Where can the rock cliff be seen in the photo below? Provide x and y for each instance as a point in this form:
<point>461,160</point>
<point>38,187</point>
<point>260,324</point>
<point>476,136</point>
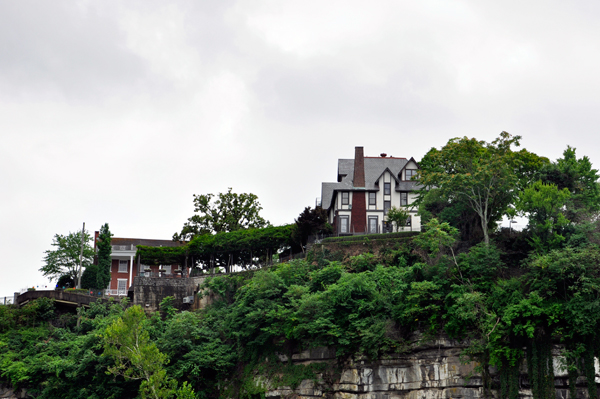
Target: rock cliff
<point>428,371</point>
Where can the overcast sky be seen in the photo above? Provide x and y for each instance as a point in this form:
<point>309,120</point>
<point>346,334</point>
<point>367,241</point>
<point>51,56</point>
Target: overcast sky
<point>119,112</point>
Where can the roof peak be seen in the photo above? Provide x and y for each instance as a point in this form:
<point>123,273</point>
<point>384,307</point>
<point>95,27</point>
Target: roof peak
<point>390,157</point>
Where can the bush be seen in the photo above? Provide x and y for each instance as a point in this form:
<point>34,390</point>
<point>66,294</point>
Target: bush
<point>387,236</point>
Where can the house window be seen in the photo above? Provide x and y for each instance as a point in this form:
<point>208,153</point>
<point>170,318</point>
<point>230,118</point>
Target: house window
<point>344,224</point>
<point>373,224</point>
<point>410,173</point>
<point>122,286</point>
<point>386,206</point>
<point>122,266</point>
<point>403,199</point>
<point>387,188</point>
<point>407,221</point>
<point>372,198</point>
<point>166,268</point>
<point>345,198</point>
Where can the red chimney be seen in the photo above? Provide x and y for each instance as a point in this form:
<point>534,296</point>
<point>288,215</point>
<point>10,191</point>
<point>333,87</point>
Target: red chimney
<point>359,167</point>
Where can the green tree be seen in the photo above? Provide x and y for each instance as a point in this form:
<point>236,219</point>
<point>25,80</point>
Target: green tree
<point>398,216</point>
<point>88,277</point>
<point>485,176</point>
<point>311,221</point>
<point>578,177</point>
<point>544,204</point>
<point>64,259</point>
<point>104,260</point>
<point>136,357</point>
<point>228,212</point>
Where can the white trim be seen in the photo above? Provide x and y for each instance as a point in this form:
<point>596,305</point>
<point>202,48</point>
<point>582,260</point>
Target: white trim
<point>130,282</point>
<point>121,291</point>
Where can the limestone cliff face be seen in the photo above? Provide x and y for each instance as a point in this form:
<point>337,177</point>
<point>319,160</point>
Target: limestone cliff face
<point>429,371</point>
<point>10,393</point>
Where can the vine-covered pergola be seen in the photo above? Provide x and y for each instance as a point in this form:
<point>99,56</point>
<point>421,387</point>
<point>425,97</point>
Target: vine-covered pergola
<point>243,248</point>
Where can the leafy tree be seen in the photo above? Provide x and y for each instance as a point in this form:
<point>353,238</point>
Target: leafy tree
<point>458,214</point>
<point>578,177</point>
<point>398,216</point>
<point>311,221</point>
<point>104,260</point>
<point>543,204</point>
<point>228,212</point>
<point>66,281</point>
<point>486,176</point>
<point>127,342</point>
<point>64,259</point>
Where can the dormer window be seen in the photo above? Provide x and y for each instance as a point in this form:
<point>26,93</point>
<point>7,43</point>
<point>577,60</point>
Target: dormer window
<point>410,173</point>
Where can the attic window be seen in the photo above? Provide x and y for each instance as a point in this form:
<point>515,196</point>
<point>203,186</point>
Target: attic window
<point>410,173</point>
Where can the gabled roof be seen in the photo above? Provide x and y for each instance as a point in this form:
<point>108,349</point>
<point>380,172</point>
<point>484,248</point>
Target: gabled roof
<point>374,169</point>
<point>382,173</point>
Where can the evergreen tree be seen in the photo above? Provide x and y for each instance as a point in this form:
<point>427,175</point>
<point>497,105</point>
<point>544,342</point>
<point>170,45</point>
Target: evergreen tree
<point>88,278</point>
<point>104,251</point>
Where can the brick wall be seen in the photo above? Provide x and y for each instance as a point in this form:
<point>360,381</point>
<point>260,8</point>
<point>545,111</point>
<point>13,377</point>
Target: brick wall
<point>358,222</point>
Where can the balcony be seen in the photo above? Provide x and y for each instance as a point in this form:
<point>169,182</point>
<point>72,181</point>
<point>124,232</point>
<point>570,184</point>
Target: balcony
<point>121,292</point>
<point>122,248</point>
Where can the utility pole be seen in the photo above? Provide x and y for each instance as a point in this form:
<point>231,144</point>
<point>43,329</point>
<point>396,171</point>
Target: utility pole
<point>81,257</point>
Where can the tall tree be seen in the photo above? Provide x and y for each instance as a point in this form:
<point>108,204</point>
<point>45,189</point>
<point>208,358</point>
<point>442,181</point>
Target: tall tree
<point>486,176</point>
<point>104,260</point>
<point>577,176</point>
<point>135,356</point>
<point>311,221</point>
<point>64,259</point>
<point>227,212</point>
<point>544,204</point>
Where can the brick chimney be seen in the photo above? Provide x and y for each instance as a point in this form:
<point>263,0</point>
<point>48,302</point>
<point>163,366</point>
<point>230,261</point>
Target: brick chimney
<point>359,167</point>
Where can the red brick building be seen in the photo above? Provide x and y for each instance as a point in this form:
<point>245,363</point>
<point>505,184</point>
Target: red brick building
<point>124,265</point>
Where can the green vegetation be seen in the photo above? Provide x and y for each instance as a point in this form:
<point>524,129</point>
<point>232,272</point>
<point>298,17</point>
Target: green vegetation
<point>511,296</point>
<point>473,176</point>
<point>240,247</point>
<point>104,251</point>
<point>397,216</point>
<point>64,259</point>
<point>311,222</point>
<point>229,212</point>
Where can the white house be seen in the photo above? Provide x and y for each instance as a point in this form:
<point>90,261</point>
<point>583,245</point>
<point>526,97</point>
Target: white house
<point>366,188</point>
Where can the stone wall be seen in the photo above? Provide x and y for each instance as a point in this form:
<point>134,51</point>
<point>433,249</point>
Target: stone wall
<point>148,292</point>
<point>428,371</point>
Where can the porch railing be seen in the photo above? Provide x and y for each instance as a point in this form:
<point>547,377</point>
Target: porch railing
<point>122,292</point>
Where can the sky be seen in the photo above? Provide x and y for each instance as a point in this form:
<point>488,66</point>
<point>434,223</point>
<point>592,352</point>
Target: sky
<point>118,112</point>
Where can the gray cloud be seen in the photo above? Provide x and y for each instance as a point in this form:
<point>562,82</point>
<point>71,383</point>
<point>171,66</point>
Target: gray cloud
<point>119,111</point>
<point>58,47</point>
